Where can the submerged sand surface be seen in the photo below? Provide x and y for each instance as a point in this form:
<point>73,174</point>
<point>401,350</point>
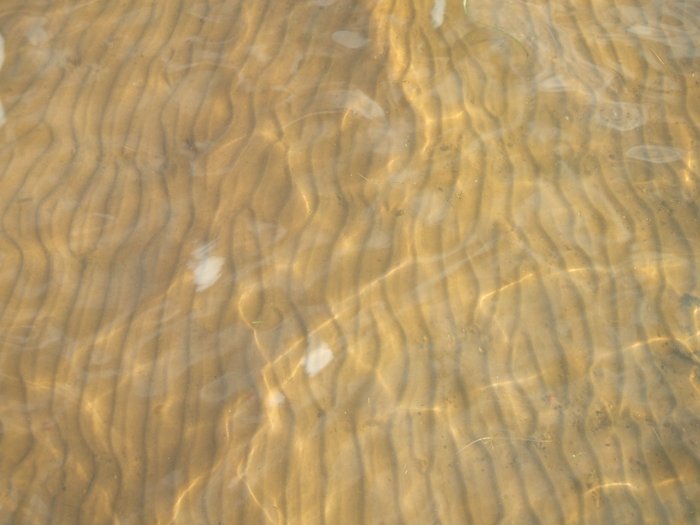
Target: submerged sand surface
<point>349,262</point>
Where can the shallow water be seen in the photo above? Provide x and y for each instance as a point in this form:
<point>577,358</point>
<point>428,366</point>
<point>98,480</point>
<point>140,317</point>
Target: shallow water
<point>350,262</point>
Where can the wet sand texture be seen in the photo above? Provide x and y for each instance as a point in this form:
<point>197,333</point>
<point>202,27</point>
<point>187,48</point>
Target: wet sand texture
<point>349,262</point>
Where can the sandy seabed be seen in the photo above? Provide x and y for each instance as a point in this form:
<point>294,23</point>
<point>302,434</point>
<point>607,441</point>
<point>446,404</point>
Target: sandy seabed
<point>349,262</point>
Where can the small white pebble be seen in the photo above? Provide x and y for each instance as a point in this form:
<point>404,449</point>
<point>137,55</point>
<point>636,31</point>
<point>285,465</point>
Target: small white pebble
<point>438,13</point>
<point>317,359</point>
<point>206,269</point>
<point>207,272</point>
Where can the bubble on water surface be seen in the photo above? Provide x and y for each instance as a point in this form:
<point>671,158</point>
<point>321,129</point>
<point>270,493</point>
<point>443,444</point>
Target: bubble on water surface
<point>621,116</point>
<point>654,154</point>
<point>349,39</point>
<point>275,398</point>
<point>363,105</point>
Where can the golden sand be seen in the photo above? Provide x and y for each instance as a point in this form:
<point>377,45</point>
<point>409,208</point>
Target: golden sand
<point>349,262</point>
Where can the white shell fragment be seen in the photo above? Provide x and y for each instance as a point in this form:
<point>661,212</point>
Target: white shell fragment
<point>317,358</point>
